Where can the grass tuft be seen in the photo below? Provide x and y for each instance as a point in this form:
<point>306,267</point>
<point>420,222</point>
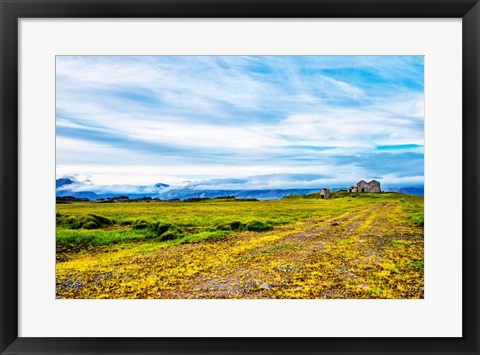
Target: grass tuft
<point>257,226</point>
<point>140,224</point>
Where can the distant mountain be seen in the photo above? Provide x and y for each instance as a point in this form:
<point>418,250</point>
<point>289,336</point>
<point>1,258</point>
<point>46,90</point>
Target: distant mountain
<point>68,187</point>
<point>79,189</point>
<point>79,194</point>
<point>274,194</point>
<point>63,182</point>
<point>413,190</point>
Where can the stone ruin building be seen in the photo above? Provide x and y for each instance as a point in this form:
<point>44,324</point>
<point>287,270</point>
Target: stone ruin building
<point>363,186</point>
<point>324,193</point>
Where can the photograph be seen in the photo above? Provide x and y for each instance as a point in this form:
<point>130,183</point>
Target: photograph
<point>239,177</point>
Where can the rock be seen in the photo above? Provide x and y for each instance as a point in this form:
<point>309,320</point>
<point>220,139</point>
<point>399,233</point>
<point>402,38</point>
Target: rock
<point>265,287</point>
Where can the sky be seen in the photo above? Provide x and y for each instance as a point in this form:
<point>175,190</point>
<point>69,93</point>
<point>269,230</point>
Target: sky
<point>236,122</point>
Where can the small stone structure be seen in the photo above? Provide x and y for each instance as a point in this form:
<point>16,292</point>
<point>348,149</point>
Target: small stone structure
<point>363,186</point>
<point>324,193</point>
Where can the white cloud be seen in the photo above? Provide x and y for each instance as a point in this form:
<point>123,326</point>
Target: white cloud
<point>141,120</point>
<point>341,87</point>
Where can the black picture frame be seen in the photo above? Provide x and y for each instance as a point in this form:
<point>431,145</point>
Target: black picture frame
<point>12,10</point>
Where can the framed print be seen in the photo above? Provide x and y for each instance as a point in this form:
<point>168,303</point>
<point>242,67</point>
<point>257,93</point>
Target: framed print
<point>253,177</point>
<point>254,214</point>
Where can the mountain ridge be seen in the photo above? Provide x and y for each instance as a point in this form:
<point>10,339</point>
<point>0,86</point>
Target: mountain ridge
<point>68,187</point>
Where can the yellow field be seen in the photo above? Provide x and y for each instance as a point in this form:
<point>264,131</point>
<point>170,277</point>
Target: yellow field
<point>353,246</point>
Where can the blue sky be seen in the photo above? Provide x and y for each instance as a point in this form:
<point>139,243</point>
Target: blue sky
<point>240,122</point>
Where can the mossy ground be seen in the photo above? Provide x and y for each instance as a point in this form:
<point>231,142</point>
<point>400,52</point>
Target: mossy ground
<point>346,247</point>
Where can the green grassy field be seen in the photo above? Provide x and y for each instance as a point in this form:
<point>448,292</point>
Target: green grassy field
<point>350,246</point>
